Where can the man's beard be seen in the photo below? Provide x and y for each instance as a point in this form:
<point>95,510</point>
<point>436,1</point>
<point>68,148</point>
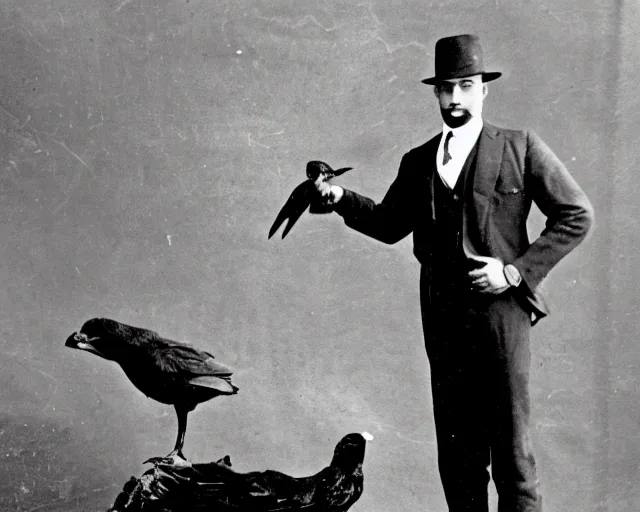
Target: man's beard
<point>455,121</point>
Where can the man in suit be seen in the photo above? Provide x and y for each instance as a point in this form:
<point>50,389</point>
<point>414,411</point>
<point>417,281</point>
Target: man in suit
<point>466,195</point>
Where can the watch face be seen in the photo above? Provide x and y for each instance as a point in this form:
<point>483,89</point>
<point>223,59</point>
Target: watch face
<point>512,275</point>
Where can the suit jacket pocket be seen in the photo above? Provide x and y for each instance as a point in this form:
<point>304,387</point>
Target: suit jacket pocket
<point>509,199</point>
<point>513,190</point>
<point>509,210</point>
<point>510,181</point>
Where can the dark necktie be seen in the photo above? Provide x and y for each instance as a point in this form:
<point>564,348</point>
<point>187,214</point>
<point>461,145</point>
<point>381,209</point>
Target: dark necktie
<point>447,156</point>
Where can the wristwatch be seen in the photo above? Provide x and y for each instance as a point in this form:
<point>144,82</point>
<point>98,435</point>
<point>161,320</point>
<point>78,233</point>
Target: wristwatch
<point>512,275</point>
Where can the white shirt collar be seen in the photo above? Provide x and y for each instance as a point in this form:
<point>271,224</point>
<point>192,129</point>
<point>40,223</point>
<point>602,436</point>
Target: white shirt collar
<point>461,144</point>
<point>469,131</point>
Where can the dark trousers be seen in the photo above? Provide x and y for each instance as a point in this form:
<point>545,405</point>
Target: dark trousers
<point>479,354</point>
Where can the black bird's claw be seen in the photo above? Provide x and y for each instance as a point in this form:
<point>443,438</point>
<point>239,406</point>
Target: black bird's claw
<point>168,460</point>
<point>155,461</point>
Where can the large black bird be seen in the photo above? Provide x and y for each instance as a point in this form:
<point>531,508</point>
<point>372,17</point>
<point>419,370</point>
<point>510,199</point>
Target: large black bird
<point>215,486</point>
<point>303,195</point>
<point>165,370</point>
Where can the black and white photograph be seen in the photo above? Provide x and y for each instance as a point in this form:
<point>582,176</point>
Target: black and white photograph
<point>319,256</point>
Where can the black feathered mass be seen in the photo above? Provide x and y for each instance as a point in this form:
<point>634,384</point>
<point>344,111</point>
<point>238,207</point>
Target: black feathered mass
<point>216,486</point>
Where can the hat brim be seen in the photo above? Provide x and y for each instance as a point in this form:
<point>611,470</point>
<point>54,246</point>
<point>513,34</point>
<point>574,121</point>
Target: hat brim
<point>486,77</point>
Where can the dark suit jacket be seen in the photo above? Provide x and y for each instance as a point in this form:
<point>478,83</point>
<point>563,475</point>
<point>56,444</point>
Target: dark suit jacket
<point>513,168</point>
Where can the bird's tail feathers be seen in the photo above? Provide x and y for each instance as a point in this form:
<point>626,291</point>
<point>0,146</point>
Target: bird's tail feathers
<point>219,383</point>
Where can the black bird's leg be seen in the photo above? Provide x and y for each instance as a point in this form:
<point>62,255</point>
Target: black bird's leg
<point>176,456</point>
<point>182,413</point>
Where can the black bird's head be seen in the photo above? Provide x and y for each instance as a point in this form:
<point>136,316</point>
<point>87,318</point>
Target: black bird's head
<point>349,452</point>
<point>317,169</point>
<point>100,336</point>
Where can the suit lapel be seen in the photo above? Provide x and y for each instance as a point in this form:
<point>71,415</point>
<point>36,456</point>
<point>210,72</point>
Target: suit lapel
<point>489,160</point>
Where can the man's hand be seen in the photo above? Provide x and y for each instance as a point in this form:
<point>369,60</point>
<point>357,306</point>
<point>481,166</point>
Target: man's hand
<point>490,278</point>
<point>329,194</point>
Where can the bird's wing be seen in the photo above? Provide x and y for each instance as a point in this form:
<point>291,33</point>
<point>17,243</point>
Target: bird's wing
<point>295,206</point>
<point>189,362</point>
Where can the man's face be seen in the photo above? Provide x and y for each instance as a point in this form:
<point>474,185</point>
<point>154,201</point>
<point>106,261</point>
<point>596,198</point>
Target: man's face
<point>460,99</point>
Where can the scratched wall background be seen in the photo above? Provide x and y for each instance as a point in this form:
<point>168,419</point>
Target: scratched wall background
<point>146,147</point>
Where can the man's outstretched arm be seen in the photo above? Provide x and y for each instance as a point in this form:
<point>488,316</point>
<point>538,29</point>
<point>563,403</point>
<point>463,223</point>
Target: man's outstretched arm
<point>388,221</point>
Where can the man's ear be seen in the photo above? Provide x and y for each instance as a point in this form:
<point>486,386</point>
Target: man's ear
<point>436,91</point>
<point>485,90</point>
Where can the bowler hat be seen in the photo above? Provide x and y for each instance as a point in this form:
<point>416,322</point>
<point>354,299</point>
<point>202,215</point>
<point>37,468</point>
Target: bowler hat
<point>457,57</point>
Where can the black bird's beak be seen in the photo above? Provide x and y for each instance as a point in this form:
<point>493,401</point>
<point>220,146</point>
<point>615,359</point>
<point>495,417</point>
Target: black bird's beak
<point>81,341</point>
<point>72,341</point>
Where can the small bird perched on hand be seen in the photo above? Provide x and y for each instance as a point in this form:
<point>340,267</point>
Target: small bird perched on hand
<point>165,370</point>
<point>303,195</point>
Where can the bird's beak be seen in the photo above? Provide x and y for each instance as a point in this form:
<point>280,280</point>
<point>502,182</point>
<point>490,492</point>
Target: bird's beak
<point>367,436</point>
<point>72,341</point>
<point>81,341</point>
